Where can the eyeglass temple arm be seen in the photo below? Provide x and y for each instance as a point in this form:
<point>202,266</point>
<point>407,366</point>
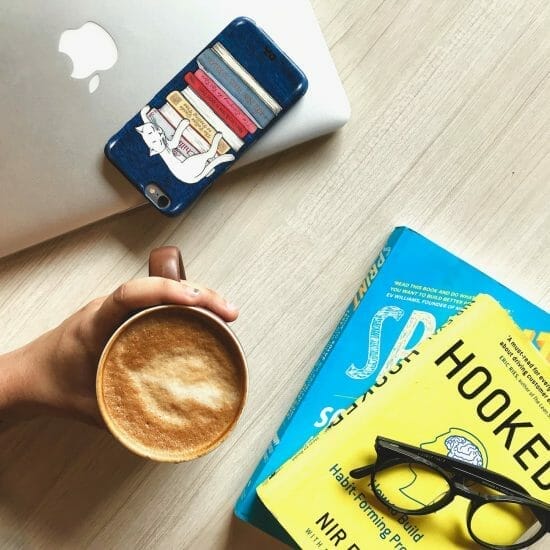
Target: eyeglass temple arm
<point>496,480</point>
<point>363,471</point>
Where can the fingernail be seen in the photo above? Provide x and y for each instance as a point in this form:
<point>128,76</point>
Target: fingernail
<point>231,306</point>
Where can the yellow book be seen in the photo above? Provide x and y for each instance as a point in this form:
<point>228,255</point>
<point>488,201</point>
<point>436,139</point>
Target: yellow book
<point>477,390</point>
<point>186,110</point>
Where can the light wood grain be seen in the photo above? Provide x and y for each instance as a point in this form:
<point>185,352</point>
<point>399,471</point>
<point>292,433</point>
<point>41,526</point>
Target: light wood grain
<point>450,134</point>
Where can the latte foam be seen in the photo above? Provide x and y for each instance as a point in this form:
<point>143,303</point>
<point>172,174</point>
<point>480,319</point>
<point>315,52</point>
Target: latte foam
<point>172,384</point>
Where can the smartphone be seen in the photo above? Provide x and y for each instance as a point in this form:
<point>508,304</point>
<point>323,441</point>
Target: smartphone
<point>207,116</point>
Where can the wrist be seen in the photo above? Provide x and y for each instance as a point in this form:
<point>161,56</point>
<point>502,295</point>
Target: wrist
<point>22,394</point>
<point>14,378</point>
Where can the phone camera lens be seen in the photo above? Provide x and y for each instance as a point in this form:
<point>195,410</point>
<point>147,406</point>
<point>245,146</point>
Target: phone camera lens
<point>157,196</point>
<point>163,201</point>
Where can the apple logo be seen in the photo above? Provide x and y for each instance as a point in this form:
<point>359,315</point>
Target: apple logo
<point>91,48</point>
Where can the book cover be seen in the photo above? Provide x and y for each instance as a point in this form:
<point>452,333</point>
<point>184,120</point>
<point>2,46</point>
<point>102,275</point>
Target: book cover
<point>478,391</point>
<point>412,287</point>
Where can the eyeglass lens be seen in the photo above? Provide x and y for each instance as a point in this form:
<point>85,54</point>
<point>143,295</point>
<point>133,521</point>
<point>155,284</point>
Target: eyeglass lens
<point>410,486</point>
<point>488,520</point>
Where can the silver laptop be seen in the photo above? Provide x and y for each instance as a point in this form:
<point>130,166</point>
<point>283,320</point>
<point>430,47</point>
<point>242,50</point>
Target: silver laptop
<point>63,94</point>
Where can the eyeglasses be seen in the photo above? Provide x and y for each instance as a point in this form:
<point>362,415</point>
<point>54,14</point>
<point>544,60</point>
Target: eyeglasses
<point>416,481</point>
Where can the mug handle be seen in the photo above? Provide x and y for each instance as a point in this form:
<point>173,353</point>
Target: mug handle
<point>166,261</point>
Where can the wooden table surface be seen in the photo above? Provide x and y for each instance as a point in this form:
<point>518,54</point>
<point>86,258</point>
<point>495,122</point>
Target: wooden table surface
<point>450,134</point>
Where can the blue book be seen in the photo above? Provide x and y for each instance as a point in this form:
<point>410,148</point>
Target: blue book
<point>411,289</point>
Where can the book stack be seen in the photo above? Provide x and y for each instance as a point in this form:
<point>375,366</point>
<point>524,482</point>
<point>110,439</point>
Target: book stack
<point>411,290</point>
<point>223,102</point>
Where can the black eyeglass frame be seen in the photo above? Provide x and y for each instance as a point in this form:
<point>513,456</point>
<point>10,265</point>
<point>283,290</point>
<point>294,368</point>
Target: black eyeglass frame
<point>456,473</point>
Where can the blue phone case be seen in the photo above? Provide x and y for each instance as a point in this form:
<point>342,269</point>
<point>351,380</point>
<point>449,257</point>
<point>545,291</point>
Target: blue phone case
<point>207,116</point>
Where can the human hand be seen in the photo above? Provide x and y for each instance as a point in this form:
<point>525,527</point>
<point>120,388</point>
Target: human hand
<point>55,374</point>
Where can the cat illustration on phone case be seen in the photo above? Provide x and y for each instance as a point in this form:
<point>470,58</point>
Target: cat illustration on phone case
<point>191,169</point>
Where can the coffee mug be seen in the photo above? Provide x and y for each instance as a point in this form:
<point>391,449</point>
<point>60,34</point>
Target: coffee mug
<point>172,380</point>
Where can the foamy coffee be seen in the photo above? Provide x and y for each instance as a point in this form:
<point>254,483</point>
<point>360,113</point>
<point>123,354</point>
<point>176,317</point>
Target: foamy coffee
<point>172,383</point>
